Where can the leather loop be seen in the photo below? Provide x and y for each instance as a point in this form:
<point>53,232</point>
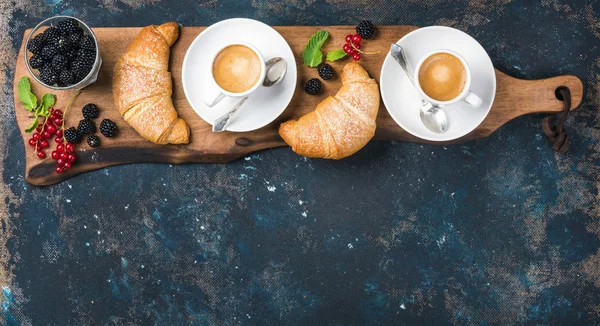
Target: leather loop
<point>556,133</point>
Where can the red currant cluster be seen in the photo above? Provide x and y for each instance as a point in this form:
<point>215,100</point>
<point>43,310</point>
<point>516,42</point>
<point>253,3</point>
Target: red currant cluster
<point>49,129</point>
<point>64,157</point>
<point>352,46</point>
<point>53,127</point>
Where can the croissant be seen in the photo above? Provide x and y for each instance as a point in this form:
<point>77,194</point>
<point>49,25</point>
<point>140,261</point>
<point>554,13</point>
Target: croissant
<point>142,86</point>
<point>342,124</point>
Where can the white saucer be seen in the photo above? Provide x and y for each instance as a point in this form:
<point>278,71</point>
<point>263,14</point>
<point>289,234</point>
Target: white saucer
<point>265,104</point>
<point>402,100</point>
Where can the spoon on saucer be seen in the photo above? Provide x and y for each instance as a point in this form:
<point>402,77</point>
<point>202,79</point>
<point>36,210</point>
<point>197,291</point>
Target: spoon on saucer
<point>276,69</point>
<point>432,116</point>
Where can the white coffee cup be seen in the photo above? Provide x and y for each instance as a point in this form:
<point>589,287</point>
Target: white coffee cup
<point>221,93</point>
<point>466,95</point>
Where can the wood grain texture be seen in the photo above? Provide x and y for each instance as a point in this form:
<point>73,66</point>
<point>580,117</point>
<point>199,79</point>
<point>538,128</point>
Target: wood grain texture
<point>514,98</point>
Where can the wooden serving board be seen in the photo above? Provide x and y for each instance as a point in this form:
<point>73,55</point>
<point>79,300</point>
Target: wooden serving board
<point>514,98</point>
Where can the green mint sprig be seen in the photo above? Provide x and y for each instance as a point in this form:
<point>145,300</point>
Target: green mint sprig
<point>336,55</point>
<point>25,95</point>
<point>312,54</point>
<point>29,101</point>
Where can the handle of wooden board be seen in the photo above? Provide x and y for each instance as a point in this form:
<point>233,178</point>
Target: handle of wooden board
<point>557,95</point>
<point>535,96</point>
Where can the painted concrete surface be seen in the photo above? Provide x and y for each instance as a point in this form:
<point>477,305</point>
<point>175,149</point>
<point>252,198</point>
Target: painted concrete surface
<point>496,231</point>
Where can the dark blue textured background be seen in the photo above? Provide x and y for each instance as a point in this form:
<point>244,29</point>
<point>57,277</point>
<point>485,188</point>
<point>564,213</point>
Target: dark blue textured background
<point>496,231</point>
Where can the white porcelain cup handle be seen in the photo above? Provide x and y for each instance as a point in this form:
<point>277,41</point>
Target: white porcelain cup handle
<point>214,99</point>
<point>473,100</point>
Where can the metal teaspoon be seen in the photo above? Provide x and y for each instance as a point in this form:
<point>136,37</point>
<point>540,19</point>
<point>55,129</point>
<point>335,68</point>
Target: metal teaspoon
<point>432,116</point>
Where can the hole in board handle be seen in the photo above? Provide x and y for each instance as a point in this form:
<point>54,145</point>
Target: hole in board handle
<point>558,93</point>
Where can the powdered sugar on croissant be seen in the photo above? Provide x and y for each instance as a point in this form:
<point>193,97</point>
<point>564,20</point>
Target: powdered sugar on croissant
<point>142,86</point>
<point>341,124</point>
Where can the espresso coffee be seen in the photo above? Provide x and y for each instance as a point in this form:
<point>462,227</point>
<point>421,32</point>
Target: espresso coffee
<point>236,68</point>
<point>442,77</point>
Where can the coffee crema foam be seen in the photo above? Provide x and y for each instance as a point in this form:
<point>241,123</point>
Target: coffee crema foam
<point>442,77</point>
<point>236,68</point>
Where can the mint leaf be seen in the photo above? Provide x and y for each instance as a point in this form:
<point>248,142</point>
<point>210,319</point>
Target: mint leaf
<point>48,101</point>
<point>25,95</point>
<point>30,102</point>
<point>312,54</point>
<point>33,124</point>
<point>336,55</point>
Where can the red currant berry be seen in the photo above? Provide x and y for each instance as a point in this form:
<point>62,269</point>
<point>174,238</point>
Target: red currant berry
<point>60,148</point>
<point>69,147</point>
<point>347,48</point>
<point>357,45</point>
<point>356,38</point>
<point>67,165</point>
<point>59,133</point>
<point>50,128</point>
<point>348,38</point>
<point>57,121</point>
<point>58,140</point>
<point>32,142</point>
<point>58,170</point>
<point>44,143</point>
<point>36,136</point>
<point>60,162</point>
<point>41,154</point>
<point>71,158</point>
<point>39,129</point>
<point>46,135</point>
<point>63,156</point>
<point>55,155</point>
<point>356,56</point>
<point>58,113</point>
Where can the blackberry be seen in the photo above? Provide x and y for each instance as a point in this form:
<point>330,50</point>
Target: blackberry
<point>90,111</point>
<point>86,126</point>
<point>61,42</point>
<point>59,62</point>
<point>48,52</point>
<point>50,34</point>
<point>70,53</point>
<point>108,128</point>
<point>45,66</point>
<point>80,68</point>
<point>72,135</point>
<point>66,78</point>
<point>87,42</point>
<point>366,29</point>
<point>78,77</point>
<point>74,38</point>
<point>67,25</point>
<point>35,45</point>
<point>36,62</point>
<point>87,56</point>
<point>313,86</point>
<point>325,71</point>
<point>93,141</point>
<point>48,76</point>
<point>40,38</point>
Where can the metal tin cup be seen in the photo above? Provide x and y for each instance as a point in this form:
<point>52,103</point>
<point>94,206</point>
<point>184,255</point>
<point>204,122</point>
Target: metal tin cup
<point>91,77</point>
